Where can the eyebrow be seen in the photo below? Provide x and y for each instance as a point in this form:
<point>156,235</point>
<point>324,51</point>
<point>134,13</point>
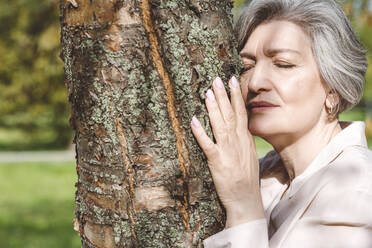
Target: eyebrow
<point>247,55</point>
<point>270,53</point>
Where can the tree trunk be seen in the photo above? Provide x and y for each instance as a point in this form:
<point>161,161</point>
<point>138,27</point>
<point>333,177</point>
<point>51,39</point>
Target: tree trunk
<point>137,72</point>
<point>364,6</point>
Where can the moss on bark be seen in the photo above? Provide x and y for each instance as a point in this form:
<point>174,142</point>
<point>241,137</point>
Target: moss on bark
<point>137,72</point>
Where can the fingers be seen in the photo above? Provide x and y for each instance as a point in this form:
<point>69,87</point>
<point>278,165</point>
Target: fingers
<point>238,104</point>
<point>215,118</point>
<point>224,116</point>
<point>224,103</point>
<point>206,144</point>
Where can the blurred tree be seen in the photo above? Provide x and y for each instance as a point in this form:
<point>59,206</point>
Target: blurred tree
<point>361,17</point>
<point>238,8</point>
<point>362,22</point>
<point>364,4</point>
<point>32,92</point>
<point>239,3</point>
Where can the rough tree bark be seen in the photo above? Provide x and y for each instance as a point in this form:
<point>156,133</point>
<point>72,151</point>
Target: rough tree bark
<point>137,72</point>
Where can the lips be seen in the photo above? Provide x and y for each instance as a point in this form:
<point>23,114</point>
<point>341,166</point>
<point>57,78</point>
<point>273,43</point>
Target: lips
<point>260,106</point>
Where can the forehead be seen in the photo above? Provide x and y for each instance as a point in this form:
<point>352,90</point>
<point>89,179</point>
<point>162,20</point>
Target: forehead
<point>278,35</point>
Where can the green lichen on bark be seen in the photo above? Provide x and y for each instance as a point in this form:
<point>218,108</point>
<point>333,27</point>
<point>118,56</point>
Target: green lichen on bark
<point>161,229</point>
<point>105,110</point>
<point>125,137</point>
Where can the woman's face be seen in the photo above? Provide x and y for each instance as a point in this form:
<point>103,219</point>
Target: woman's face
<point>280,81</point>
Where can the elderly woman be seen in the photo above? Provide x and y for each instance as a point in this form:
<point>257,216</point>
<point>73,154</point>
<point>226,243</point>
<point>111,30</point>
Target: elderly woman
<point>302,66</point>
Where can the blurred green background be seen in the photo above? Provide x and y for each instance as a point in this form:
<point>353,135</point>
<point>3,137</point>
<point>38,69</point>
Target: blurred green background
<point>33,109</point>
<point>37,199</point>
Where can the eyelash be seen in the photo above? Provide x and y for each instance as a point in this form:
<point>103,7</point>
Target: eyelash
<point>285,66</point>
<point>245,69</point>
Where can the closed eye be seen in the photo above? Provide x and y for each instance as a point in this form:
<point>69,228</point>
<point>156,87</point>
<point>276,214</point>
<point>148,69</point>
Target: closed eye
<point>285,66</point>
<point>245,69</point>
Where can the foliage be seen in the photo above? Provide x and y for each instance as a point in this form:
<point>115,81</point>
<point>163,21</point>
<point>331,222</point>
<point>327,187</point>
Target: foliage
<point>32,91</point>
<point>361,18</point>
<point>239,3</point>
<point>36,205</point>
<point>365,32</point>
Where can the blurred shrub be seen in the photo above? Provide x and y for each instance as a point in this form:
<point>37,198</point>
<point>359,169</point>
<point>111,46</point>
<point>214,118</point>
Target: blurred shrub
<point>361,17</point>
<point>32,92</point>
<point>365,32</point>
<point>33,99</point>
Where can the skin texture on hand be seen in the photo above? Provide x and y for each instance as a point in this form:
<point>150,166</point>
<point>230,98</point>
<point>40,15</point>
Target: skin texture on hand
<point>232,160</point>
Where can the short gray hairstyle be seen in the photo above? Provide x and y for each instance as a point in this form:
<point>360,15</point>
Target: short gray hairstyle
<point>340,57</point>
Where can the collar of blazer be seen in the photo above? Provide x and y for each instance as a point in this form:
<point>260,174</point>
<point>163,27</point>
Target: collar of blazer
<point>352,134</point>
<point>317,176</point>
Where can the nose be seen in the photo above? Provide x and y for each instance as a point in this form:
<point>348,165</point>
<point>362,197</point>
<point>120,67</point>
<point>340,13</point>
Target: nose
<point>259,80</point>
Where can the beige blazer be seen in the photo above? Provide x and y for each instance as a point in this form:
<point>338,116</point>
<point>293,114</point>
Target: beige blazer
<point>328,205</point>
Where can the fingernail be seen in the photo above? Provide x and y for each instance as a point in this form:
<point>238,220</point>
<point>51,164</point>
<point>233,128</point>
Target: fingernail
<point>210,96</point>
<point>219,83</point>
<point>195,122</point>
<point>234,82</point>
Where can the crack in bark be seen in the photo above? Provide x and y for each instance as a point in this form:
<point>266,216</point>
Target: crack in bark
<point>220,211</point>
<point>123,144</point>
<point>181,147</point>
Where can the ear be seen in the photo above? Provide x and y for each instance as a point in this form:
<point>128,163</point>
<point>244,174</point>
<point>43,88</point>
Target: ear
<point>332,100</point>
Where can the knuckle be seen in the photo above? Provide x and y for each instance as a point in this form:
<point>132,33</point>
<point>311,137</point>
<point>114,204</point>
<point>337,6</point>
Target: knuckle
<point>222,133</point>
<point>242,125</point>
<point>242,112</point>
<point>209,149</point>
<point>212,166</point>
<point>213,114</point>
<point>230,119</point>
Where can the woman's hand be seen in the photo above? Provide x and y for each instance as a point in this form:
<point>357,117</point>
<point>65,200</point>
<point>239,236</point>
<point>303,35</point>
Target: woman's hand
<point>232,160</point>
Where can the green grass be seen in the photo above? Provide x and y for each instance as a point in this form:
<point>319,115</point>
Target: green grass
<point>37,205</point>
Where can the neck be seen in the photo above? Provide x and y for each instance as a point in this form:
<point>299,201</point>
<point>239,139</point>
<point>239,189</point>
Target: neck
<point>297,151</point>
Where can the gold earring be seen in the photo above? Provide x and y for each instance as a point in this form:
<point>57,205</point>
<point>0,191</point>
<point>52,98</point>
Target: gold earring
<point>330,110</point>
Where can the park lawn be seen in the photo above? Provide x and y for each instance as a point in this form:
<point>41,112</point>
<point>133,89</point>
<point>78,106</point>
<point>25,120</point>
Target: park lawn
<point>37,205</point>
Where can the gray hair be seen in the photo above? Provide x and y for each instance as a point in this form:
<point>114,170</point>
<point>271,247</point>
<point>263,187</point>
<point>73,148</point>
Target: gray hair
<point>340,57</point>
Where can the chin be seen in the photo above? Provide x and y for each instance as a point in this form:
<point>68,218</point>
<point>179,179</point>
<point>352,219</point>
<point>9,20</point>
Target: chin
<point>262,128</point>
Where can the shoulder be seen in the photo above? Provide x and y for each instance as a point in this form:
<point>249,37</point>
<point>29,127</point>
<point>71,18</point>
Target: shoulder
<point>348,191</point>
<point>353,167</point>
<point>356,155</point>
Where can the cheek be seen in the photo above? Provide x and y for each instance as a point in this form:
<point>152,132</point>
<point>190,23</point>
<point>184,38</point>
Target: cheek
<point>244,88</point>
<point>291,89</point>
<point>301,90</point>
<point>303,100</point>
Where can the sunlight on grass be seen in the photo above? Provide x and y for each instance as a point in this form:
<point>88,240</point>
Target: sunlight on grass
<point>37,205</point>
